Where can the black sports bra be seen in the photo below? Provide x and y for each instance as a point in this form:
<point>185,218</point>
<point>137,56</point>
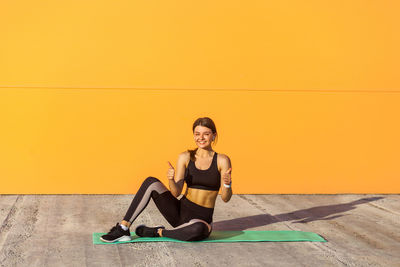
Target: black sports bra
<point>209,179</point>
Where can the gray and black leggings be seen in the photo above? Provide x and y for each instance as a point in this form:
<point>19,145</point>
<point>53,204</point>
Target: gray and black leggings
<point>191,222</point>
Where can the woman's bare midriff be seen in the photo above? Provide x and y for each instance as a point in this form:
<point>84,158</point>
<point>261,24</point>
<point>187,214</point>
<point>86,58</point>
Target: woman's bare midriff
<point>205,198</point>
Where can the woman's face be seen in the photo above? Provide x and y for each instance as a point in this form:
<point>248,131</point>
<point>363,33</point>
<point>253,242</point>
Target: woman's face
<point>203,136</point>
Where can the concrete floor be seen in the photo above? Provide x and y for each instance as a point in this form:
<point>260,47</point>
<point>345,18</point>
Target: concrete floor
<point>56,230</point>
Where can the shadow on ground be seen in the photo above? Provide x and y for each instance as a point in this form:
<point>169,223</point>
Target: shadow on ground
<point>327,212</point>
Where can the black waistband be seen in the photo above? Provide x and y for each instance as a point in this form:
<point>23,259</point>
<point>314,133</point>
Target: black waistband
<point>191,210</point>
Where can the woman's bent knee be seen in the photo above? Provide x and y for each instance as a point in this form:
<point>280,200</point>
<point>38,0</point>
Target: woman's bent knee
<point>193,232</point>
<point>199,232</point>
<point>149,180</point>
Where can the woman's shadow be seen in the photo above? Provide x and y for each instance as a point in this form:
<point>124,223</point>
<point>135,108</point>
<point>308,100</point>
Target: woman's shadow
<point>300,216</point>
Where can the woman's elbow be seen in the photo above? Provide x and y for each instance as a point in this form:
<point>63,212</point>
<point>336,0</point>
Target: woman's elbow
<point>176,193</point>
<point>225,199</point>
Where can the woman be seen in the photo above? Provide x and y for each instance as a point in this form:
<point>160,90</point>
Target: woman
<point>203,170</point>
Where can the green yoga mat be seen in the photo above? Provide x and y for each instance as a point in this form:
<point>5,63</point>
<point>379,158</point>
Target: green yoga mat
<point>230,236</point>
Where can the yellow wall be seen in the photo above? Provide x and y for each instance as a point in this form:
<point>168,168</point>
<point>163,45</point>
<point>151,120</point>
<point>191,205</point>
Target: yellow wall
<point>305,95</point>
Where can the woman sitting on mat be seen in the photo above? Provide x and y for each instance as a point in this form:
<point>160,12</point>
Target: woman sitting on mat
<point>191,216</point>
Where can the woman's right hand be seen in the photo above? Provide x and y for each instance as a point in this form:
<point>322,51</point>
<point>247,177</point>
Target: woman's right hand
<point>171,171</point>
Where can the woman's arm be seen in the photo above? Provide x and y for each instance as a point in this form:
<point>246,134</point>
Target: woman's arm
<point>176,183</point>
<point>226,169</point>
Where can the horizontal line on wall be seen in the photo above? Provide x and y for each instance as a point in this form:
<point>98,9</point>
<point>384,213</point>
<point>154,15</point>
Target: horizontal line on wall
<point>205,89</point>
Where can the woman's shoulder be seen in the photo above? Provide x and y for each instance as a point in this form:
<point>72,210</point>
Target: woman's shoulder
<point>184,157</point>
<point>184,154</point>
<point>223,162</point>
<point>223,158</point>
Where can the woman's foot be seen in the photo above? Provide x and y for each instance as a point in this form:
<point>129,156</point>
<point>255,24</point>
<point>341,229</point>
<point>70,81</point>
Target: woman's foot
<point>116,234</point>
<point>144,231</point>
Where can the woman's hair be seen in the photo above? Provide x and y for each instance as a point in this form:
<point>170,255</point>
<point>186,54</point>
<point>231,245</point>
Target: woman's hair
<point>206,122</point>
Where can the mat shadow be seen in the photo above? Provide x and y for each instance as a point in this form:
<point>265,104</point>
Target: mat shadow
<point>326,212</point>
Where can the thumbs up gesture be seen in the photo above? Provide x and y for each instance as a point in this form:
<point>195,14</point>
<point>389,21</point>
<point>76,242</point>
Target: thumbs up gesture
<point>170,172</point>
<point>226,177</point>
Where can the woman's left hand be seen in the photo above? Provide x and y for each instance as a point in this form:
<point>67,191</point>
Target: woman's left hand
<point>226,177</point>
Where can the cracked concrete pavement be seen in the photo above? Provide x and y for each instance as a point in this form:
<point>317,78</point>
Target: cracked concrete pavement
<point>56,230</point>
